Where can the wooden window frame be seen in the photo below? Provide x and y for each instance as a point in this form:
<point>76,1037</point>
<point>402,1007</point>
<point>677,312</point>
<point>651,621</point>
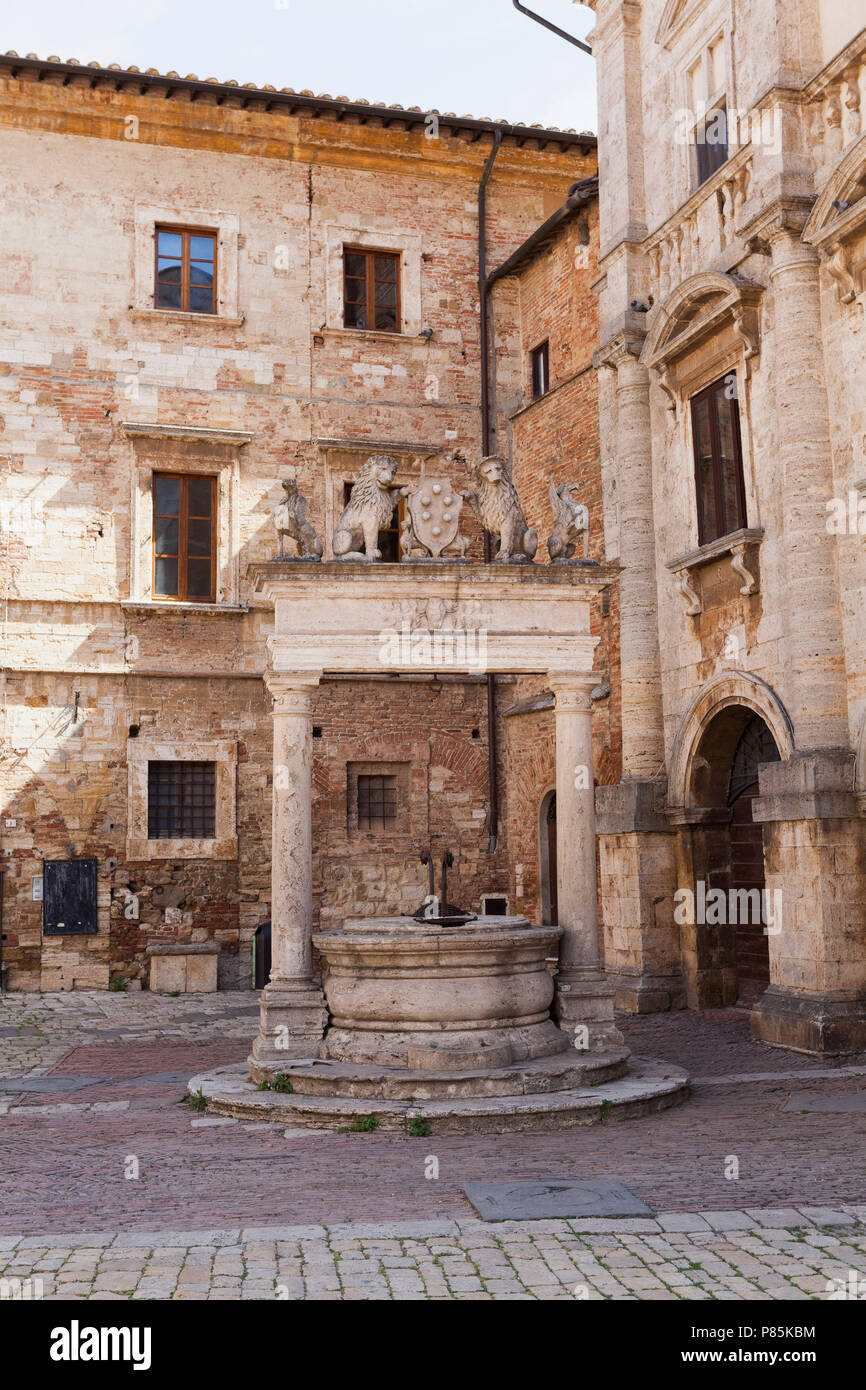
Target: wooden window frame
<point>539,355</point>
<point>183,538</point>
<point>370,254</point>
<point>185,233</point>
<point>707,162</point>
<point>711,393</point>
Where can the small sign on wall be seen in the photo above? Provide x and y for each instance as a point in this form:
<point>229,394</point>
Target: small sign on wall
<point>36,888</point>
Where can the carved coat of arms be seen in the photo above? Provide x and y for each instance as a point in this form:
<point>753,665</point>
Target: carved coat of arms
<point>434,506</point>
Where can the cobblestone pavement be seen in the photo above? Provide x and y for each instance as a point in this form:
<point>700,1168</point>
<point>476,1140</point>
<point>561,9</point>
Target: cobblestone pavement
<point>96,1135</point>
<point>731,1255</point>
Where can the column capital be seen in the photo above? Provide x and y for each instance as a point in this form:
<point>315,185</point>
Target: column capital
<point>573,692</point>
<point>291,693</point>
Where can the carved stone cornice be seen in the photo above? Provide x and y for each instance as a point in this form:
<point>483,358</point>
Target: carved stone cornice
<point>837,224</point>
<point>618,350</point>
<point>785,216</point>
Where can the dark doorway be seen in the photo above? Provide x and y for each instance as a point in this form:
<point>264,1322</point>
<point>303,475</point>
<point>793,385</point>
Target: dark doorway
<point>547,855</point>
<point>755,746</point>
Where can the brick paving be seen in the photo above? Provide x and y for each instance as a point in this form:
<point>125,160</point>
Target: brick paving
<point>105,1142</point>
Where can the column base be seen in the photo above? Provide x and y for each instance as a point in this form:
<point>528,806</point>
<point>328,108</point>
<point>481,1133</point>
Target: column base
<point>584,999</point>
<point>643,992</point>
<point>820,1024</point>
<point>291,1024</point>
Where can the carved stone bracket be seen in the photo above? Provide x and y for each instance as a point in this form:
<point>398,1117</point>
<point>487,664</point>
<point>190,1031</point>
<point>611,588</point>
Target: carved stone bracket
<point>692,598</point>
<point>735,546</point>
<point>739,567</point>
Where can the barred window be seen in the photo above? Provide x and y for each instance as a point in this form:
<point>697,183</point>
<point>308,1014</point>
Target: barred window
<point>181,801</point>
<point>377,802</point>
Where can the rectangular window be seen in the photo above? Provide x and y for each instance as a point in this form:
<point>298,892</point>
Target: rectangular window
<point>540,360</point>
<point>181,801</point>
<point>371,290</point>
<point>711,143</point>
<point>719,482</point>
<point>377,802</point>
<point>184,512</point>
<point>185,270</point>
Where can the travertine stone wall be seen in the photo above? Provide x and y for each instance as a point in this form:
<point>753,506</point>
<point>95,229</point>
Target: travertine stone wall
<point>755,275</point>
<point>90,377</point>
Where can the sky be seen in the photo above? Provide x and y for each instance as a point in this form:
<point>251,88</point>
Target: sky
<point>475,57</point>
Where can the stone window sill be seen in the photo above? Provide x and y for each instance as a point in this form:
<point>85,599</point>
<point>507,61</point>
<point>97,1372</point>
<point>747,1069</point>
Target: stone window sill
<point>142,849</point>
<point>148,605</point>
<point>181,316</point>
<point>734,545</point>
<point>373,335</point>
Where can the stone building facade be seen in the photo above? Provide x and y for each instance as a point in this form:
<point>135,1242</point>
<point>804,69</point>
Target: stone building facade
<point>732,390</point>
<point>180,329</point>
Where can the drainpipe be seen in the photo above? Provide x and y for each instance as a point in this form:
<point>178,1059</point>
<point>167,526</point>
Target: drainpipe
<point>483,293</point>
<point>554,28</point>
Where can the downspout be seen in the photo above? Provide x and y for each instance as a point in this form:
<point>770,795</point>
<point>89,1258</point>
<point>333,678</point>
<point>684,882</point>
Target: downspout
<point>554,28</point>
<point>483,293</point>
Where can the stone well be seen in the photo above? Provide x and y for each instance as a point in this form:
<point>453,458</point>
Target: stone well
<point>489,1026</point>
<point>410,994</point>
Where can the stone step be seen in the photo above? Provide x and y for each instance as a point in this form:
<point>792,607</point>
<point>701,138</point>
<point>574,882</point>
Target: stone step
<point>649,1086</point>
<point>542,1074</point>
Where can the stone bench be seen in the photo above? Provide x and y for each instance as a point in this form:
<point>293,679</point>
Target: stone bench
<point>188,967</point>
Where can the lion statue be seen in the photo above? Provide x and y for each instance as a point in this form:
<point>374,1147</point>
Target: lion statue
<point>290,519</point>
<point>498,509</point>
<point>369,509</point>
<point>570,523</point>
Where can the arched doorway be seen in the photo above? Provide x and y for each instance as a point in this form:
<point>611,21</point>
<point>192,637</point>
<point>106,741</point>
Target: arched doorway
<point>547,858</point>
<point>729,942</point>
<point>755,746</point>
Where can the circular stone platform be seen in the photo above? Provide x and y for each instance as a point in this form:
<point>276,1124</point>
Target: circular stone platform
<point>547,1094</point>
<point>443,1030</point>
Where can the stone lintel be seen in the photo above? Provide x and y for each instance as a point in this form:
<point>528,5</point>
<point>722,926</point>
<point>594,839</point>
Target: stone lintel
<point>182,948</point>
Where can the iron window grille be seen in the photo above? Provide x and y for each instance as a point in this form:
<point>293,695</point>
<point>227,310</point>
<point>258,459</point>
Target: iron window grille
<point>377,802</point>
<point>181,801</point>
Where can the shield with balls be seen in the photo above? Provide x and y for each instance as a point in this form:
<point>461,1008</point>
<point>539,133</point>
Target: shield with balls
<point>435,510</point>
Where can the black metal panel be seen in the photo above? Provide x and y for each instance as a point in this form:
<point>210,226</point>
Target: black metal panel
<point>69,897</point>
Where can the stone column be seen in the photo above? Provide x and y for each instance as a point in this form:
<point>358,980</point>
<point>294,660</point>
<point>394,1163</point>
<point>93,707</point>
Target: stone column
<point>814,840</point>
<point>637,848</point>
<point>293,1014</point>
<point>812,650</point>
<point>583,996</point>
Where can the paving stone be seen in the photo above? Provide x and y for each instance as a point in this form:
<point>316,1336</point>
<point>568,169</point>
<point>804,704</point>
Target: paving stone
<point>681,1221</point>
<point>602,1197</point>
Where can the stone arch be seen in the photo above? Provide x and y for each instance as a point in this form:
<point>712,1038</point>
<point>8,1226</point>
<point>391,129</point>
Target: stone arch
<point>700,302</point>
<point>726,689</point>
